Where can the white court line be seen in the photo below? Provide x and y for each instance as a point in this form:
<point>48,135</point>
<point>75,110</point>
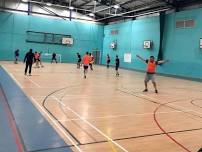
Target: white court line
<point>92,126</point>
<point>113,116</point>
<point>36,84</point>
<point>56,124</point>
<point>185,108</point>
<point>119,116</point>
<point>175,106</point>
<point>45,112</point>
<point>11,75</point>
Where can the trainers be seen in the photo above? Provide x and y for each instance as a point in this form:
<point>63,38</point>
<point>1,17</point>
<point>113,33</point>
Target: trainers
<point>156,91</point>
<point>145,90</point>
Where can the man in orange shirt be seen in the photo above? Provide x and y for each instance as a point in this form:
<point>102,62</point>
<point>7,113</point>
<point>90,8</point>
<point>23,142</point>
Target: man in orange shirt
<point>151,70</point>
<point>86,62</point>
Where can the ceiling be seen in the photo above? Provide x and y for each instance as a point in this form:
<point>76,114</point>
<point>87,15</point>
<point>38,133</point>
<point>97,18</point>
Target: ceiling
<point>113,10</point>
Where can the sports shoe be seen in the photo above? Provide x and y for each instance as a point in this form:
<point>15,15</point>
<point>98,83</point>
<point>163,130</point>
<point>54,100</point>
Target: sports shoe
<point>145,90</point>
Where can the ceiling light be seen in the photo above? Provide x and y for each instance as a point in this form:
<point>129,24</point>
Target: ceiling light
<point>71,8</point>
<point>25,0</point>
<point>49,4</point>
<point>116,6</point>
<point>91,14</point>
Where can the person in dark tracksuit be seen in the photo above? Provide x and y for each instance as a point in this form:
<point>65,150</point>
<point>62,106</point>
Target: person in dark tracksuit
<point>29,58</point>
<point>117,61</point>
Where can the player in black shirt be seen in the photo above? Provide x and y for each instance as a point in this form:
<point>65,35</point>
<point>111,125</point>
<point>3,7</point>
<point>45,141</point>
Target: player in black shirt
<point>29,59</point>
<point>117,61</point>
<point>54,57</point>
<point>108,60</point>
<point>17,54</point>
<point>79,61</point>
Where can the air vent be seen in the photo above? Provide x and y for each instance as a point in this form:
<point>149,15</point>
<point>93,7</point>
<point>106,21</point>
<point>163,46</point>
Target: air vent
<point>114,32</point>
<point>184,23</point>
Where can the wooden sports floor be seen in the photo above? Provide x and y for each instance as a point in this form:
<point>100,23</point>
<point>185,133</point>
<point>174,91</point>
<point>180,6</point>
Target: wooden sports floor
<point>104,113</point>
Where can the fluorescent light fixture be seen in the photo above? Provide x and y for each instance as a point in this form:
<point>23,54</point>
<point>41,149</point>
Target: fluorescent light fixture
<point>91,14</point>
<point>25,0</point>
<point>116,6</point>
<point>49,4</point>
<point>71,8</point>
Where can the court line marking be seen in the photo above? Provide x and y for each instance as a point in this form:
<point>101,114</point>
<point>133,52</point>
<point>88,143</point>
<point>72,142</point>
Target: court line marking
<point>45,112</point>
<point>113,116</point>
<point>163,130</point>
<point>91,125</point>
<point>56,124</point>
<point>12,76</point>
<point>119,116</point>
<point>174,105</point>
<point>32,81</point>
<point>12,124</point>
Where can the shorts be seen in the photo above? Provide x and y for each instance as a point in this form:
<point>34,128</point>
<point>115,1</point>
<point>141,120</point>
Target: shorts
<point>116,68</point>
<point>149,77</point>
<point>79,60</point>
<point>85,67</point>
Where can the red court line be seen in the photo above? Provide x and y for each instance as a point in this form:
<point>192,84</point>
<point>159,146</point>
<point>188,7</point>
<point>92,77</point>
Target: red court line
<point>13,126</point>
<point>164,131</point>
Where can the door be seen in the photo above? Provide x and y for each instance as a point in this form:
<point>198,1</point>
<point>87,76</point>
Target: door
<point>96,55</point>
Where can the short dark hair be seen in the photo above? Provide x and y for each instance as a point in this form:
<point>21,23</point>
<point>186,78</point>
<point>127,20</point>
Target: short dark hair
<point>87,53</point>
<point>152,57</point>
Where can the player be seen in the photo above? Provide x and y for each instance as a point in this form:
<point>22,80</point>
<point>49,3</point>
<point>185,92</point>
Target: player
<point>29,58</point>
<point>200,150</point>
<point>151,70</point>
<point>117,61</point>
<point>92,59</point>
<point>40,62</point>
<point>86,62</point>
<point>17,54</point>
<point>108,60</point>
<point>36,59</point>
<point>54,57</point>
<point>79,61</point>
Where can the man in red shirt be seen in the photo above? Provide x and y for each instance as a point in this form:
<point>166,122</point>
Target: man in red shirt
<point>86,62</point>
<point>151,70</point>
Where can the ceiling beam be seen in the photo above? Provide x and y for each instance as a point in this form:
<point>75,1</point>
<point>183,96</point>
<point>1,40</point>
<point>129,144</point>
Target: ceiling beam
<point>85,3</point>
<point>136,9</point>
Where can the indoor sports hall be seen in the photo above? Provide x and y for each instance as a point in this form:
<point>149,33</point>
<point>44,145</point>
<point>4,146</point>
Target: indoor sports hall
<point>100,76</point>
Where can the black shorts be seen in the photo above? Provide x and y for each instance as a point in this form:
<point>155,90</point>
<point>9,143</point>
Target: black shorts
<point>117,67</point>
<point>85,67</point>
<point>79,60</point>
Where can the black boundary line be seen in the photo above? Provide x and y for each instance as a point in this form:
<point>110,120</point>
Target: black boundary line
<point>79,126</point>
<point>135,137</point>
<point>45,149</point>
<point>149,100</point>
<point>43,104</point>
<point>119,139</point>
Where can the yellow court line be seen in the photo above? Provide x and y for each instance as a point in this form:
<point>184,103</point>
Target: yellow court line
<point>112,146</point>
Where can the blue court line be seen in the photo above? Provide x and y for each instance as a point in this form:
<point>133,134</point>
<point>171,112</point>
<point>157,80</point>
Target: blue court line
<point>34,129</point>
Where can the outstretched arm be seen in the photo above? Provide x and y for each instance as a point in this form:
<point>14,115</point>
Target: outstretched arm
<point>141,58</point>
<point>162,61</point>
